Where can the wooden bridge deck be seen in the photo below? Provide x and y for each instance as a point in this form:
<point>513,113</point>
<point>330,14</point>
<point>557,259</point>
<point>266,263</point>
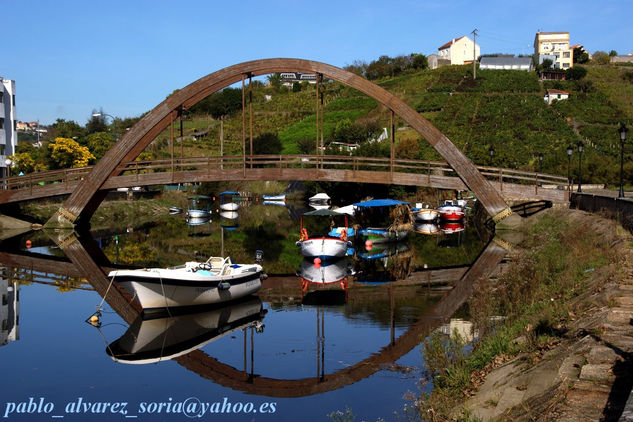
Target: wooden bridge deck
<point>512,184</point>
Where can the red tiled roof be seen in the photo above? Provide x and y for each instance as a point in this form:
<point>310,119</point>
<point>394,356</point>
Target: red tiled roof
<point>556,91</point>
<point>448,44</point>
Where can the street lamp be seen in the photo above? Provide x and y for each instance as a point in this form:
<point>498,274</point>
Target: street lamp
<point>102,114</point>
<point>570,151</point>
<point>622,131</point>
<point>491,152</point>
<point>8,163</point>
<point>580,146</point>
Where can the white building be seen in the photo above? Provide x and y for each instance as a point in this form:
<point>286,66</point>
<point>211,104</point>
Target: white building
<point>9,310</point>
<point>459,51</point>
<point>8,123</point>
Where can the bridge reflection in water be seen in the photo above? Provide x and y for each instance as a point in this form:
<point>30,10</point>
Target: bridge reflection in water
<point>87,261</point>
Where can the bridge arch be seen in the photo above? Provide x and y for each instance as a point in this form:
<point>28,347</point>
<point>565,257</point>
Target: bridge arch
<point>89,194</point>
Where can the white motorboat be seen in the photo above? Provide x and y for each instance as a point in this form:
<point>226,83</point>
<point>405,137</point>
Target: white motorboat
<point>169,336</point>
<point>424,214</point>
<point>194,283</point>
<point>226,200</point>
<point>323,247</point>
<point>198,206</point>
<point>319,198</point>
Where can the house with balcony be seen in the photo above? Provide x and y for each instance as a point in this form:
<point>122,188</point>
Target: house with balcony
<point>555,47</point>
<point>459,51</point>
<point>8,123</point>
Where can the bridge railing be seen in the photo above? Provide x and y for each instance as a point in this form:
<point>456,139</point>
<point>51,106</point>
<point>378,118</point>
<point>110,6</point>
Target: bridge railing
<point>430,169</point>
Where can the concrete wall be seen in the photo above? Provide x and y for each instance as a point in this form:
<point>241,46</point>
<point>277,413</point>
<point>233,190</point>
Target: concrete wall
<point>620,209</point>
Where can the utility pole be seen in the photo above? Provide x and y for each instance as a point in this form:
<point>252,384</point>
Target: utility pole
<point>475,53</point>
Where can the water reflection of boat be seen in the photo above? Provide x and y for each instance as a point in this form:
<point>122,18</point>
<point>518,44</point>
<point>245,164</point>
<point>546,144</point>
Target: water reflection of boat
<point>229,215</point>
<point>194,283</point>
<point>226,200</point>
<point>278,203</point>
<point>325,273</point>
<point>275,198</point>
<point>383,250</point>
<point>427,229</point>
<point>450,227</point>
<point>198,206</point>
<point>175,210</point>
<point>393,218</point>
<point>319,199</point>
<point>167,337</point>
<point>326,246</point>
<point>196,221</point>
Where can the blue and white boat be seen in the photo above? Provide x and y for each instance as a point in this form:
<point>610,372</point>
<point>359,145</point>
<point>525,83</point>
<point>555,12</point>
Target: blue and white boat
<point>396,213</point>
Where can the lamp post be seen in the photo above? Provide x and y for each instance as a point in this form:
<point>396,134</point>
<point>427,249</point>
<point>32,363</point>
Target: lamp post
<point>540,166</point>
<point>580,146</point>
<point>8,164</point>
<point>570,151</point>
<point>622,131</point>
<point>491,152</point>
<point>102,114</point>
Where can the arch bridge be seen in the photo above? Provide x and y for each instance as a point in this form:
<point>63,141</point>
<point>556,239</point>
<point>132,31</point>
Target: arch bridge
<point>90,189</point>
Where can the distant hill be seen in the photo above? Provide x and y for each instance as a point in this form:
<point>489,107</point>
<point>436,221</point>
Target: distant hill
<point>504,109</point>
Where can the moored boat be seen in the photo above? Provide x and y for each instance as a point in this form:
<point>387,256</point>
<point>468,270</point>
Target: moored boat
<point>450,210</point>
<point>323,246</point>
<point>226,200</point>
<point>194,283</point>
<point>425,213</point>
<point>383,220</point>
<point>198,206</point>
<point>281,197</point>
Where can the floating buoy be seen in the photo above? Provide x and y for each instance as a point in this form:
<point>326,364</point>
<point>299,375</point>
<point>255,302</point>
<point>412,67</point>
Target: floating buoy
<point>317,261</point>
<point>28,244</point>
<point>94,320</point>
<point>369,243</point>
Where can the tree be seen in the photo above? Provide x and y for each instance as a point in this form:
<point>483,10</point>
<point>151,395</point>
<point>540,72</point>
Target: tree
<point>274,81</point>
<point>547,64</point>
<point>307,145</point>
<point>66,153</point>
<point>97,122</point>
<point>220,104</point>
<point>419,61</point>
<point>296,87</point>
<point>613,53</point>
<point>576,73</point>
<point>65,129</point>
<point>407,148</point>
<point>99,143</point>
<point>600,57</point>
<point>267,143</point>
<point>580,56</point>
<point>22,162</point>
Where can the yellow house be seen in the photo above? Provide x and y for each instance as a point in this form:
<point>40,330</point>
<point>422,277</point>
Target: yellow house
<point>554,46</point>
<point>458,51</point>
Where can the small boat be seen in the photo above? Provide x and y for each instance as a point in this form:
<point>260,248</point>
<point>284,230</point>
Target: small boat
<point>323,247</point>
<point>395,215</point>
<point>319,198</point>
<point>216,280</point>
<point>281,197</point>
<point>198,206</point>
<point>425,213</point>
<point>226,200</point>
<point>175,210</point>
<point>450,210</point>
<point>169,336</point>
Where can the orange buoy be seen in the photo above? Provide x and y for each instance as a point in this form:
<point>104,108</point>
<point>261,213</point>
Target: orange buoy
<point>28,244</point>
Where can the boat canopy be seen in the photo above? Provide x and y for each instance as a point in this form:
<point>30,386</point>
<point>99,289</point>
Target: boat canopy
<point>379,203</point>
<point>319,197</point>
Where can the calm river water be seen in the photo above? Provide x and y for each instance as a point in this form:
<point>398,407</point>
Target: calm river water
<point>284,354</point>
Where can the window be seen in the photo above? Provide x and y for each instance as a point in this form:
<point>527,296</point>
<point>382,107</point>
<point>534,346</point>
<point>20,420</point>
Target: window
<point>565,65</point>
<point>566,55</point>
<point>13,96</point>
<point>1,95</point>
<point>15,125</point>
<point>1,123</point>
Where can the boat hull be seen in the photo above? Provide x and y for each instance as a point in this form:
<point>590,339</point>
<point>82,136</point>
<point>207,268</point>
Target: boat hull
<point>451,213</point>
<point>383,235</point>
<point>198,213</point>
<point>426,215</point>
<point>229,206</point>
<point>274,197</point>
<point>323,247</point>
<point>158,288</point>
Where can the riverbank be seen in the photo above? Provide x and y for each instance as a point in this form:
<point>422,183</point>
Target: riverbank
<point>564,348</point>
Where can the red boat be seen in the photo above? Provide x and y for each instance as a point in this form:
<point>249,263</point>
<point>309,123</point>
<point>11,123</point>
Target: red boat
<point>451,211</point>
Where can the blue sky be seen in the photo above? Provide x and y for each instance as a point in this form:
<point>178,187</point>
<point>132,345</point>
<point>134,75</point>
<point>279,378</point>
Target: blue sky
<point>69,57</point>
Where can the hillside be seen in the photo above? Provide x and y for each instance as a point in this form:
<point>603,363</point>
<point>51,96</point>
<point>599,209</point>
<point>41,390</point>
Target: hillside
<point>504,109</point>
